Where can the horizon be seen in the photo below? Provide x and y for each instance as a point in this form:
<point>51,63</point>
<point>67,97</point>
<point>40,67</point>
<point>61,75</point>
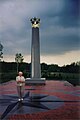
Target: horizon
<point>51,59</point>
<point>42,63</point>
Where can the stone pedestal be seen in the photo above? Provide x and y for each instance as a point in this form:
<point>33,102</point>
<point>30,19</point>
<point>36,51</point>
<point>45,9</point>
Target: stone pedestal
<point>35,81</point>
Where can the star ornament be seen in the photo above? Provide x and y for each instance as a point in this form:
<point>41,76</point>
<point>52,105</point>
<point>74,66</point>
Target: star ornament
<point>29,101</point>
<point>30,104</point>
<point>35,22</point>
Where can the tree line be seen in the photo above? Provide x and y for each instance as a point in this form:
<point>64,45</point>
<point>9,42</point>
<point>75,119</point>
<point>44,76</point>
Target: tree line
<point>26,67</point>
<point>8,71</point>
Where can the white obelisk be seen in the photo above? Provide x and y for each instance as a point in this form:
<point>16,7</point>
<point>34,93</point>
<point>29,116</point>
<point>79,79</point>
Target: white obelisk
<point>35,54</point>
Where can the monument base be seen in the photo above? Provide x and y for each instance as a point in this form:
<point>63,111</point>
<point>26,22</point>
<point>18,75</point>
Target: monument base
<point>35,81</point>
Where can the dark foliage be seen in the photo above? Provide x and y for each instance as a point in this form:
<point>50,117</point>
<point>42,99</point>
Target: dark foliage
<point>50,72</point>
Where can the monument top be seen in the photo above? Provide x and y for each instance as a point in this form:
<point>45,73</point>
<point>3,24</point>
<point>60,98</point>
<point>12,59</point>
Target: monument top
<point>35,22</point>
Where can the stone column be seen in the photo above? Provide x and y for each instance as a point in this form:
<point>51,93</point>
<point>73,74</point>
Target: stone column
<point>35,55</point>
<point>35,50</point>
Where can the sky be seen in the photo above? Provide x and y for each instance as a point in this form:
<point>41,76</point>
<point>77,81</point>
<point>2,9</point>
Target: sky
<point>59,29</point>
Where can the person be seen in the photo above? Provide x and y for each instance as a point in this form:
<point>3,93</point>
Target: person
<point>20,85</point>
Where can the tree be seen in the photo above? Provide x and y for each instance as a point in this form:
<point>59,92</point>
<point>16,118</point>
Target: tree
<point>18,59</point>
<point>1,53</point>
<point>78,63</point>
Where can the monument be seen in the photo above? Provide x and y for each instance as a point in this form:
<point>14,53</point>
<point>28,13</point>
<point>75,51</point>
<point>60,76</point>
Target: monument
<point>35,55</point>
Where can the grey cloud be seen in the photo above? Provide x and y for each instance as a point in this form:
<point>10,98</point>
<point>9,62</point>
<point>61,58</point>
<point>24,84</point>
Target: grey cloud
<point>59,45</point>
<point>58,30</point>
<point>69,14</point>
<point>14,42</point>
<point>59,40</point>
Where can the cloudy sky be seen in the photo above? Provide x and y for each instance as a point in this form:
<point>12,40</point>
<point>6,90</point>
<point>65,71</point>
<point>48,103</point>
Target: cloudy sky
<point>59,29</point>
